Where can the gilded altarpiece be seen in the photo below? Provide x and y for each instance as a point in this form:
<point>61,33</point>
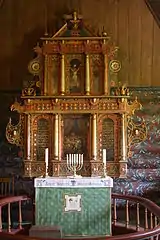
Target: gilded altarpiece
<point>68,107</point>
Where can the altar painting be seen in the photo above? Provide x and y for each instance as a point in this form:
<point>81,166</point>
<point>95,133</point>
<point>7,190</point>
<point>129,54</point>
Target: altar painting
<point>75,134</point>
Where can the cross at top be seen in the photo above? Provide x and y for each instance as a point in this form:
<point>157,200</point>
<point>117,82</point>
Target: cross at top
<point>74,19</point>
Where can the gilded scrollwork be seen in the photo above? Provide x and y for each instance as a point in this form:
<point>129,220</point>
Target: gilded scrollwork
<point>16,106</point>
<point>15,133</point>
<point>34,168</point>
<point>30,91</point>
<point>133,106</point>
<point>122,90</point>
<point>137,132</point>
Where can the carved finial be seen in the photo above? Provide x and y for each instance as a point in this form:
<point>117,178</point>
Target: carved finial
<point>122,90</point>
<point>37,49</point>
<point>75,20</point>
<point>104,33</point>
<point>75,17</point>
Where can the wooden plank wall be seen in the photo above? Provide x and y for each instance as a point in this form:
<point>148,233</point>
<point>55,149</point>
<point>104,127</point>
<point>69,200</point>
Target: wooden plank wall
<point>133,28</point>
<point>129,23</point>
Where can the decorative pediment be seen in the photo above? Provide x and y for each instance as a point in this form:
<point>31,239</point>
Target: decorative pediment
<point>74,26</point>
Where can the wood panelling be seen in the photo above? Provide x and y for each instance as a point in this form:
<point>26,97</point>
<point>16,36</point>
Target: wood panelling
<point>123,40</point>
<point>155,80</point>
<point>134,44</point>
<point>147,45</point>
<point>130,25</point>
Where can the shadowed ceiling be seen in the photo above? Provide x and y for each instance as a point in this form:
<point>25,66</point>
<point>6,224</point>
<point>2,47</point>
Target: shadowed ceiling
<point>154,7</point>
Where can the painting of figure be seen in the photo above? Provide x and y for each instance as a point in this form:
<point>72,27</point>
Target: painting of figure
<point>76,129</point>
<point>74,81</point>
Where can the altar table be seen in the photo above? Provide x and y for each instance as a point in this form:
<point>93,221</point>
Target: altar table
<point>80,206</point>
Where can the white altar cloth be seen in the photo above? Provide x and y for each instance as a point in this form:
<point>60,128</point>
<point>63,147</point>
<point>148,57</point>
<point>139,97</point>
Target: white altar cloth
<point>59,182</point>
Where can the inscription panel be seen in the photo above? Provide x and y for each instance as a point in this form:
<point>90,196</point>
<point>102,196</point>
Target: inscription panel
<point>108,138</point>
<point>42,138</point>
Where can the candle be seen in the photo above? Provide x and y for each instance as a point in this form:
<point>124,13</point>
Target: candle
<point>72,159</point>
<point>76,158</point>
<point>46,158</point>
<point>104,156</point>
<point>67,159</point>
<point>82,159</point>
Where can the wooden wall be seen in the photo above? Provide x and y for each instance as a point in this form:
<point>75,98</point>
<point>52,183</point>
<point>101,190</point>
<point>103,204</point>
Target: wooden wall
<point>129,23</point>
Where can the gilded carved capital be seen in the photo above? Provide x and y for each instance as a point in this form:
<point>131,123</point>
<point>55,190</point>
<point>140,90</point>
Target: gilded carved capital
<point>16,106</point>
<point>135,105</point>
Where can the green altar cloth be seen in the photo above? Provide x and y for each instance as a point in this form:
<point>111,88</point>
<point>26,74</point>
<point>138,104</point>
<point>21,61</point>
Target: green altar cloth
<point>81,207</point>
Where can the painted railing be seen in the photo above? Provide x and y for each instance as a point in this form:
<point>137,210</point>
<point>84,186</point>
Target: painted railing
<point>6,207</point>
<point>135,215</point>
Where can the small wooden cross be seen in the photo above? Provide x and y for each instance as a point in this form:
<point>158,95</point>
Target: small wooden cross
<point>74,19</point>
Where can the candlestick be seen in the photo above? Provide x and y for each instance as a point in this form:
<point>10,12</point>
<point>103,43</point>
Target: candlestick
<point>104,163</point>
<point>46,161</point>
<point>75,163</point>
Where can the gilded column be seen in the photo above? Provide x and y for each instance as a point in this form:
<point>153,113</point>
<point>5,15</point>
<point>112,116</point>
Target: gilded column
<point>94,137</point>
<point>29,137</point>
<point>106,84</point>
<point>87,79</point>
<point>123,161</point>
<point>62,75</point>
<point>46,73</point>
<point>60,137</point>
<point>124,137</point>
<point>56,137</point>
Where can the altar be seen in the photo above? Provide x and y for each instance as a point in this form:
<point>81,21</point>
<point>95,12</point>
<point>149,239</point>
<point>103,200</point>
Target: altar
<point>79,206</point>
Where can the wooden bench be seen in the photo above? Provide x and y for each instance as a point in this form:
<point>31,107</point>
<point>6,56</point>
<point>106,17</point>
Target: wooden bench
<point>6,186</point>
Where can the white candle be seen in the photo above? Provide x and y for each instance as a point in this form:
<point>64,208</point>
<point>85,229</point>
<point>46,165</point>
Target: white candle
<point>76,158</point>
<point>67,159</point>
<point>46,158</point>
<point>72,159</point>
<point>104,156</point>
